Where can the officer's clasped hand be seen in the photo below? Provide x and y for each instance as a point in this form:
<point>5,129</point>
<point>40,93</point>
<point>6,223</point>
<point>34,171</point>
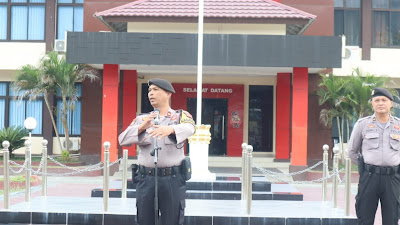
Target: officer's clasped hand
<point>161,131</point>
<point>148,122</point>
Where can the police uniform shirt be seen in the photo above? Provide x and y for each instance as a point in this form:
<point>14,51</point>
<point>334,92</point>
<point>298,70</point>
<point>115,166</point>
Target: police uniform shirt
<point>171,153</point>
<point>380,146</point>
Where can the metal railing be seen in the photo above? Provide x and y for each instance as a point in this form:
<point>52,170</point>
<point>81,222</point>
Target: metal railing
<point>247,165</point>
<point>42,169</point>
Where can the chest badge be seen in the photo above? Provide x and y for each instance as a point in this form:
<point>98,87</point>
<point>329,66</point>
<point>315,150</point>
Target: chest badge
<point>371,126</point>
<point>174,117</point>
<point>397,127</point>
<point>396,136</point>
<point>168,114</point>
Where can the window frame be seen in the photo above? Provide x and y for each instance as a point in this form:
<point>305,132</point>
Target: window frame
<point>79,99</point>
<point>8,97</point>
<point>28,3</point>
<point>389,10</point>
<point>344,9</point>
<point>73,5</point>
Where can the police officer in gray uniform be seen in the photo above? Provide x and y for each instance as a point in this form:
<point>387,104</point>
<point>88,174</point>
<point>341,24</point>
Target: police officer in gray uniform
<point>376,140</point>
<point>173,129</point>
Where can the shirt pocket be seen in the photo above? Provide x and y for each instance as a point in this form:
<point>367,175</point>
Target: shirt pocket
<point>395,142</point>
<point>371,141</point>
<point>170,140</point>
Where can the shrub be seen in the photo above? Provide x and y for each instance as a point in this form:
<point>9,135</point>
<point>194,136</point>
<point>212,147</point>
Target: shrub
<point>65,155</point>
<point>15,135</point>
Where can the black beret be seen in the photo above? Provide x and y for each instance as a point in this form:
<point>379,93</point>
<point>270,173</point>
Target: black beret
<point>164,84</point>
<point>381,92</point>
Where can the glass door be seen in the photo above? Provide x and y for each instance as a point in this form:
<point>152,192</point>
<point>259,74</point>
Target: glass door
<point>214,112</point>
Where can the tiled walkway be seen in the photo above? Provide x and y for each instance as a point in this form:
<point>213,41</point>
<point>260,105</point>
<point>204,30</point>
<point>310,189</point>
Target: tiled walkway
<point>78,188</point>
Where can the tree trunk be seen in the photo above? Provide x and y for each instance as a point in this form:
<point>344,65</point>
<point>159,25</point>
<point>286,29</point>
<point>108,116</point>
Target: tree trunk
<point>340,135</point>
<point>52,119</point>
<point>348,130</point>
<point>64,120</point>
<point>342,144</point>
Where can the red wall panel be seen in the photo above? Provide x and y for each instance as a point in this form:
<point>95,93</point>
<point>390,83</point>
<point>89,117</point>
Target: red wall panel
<point>235,103</point>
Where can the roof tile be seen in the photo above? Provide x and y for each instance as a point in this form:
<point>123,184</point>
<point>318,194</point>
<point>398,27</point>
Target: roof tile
<point>212,9</point>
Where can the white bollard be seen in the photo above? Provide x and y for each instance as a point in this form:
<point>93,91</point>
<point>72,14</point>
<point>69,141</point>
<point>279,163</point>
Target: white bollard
<point>249,178</point>
<point>28,171</point>
<point>124,172</point>
<point>44,170</point>
<point>348,185</point>
<point>335,178</point>
<point>6,158</point>
<point>325,172</point>
<point>244,172</point>
<point>106,173</point>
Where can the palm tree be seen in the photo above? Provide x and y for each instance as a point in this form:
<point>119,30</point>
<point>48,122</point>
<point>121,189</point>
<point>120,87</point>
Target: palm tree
<point>360,89</point>
<point>348,98</point>
<point>65,76</point>
<point>31,82</point>
<point>54,73</point>
<point>332,92</point>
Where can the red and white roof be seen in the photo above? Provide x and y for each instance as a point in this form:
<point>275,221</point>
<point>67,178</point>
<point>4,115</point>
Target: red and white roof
<point>212,9</point>
<point>226,11</point>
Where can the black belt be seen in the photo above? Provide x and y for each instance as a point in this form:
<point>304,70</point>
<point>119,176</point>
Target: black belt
<point>167,171</point>
<point>382,170</point>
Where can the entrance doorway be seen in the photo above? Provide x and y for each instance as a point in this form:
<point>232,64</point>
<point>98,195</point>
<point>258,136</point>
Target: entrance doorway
<point>215,113</point>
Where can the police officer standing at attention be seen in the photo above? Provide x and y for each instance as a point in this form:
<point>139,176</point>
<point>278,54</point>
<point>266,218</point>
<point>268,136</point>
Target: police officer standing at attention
<point>173,129</point>
<point>375,146</point>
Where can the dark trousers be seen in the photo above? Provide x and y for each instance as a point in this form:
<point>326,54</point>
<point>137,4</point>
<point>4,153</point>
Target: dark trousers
<point>373,188</point>
<point>171,199</point>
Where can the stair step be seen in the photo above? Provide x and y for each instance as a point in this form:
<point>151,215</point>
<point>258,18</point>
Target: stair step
<point>211,195</point>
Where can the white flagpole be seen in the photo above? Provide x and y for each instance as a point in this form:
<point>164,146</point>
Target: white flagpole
<point>200,63</point>
<point>200,141</point>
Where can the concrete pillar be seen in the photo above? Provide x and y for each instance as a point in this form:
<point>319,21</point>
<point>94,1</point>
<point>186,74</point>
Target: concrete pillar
<point>299,120</point>
<point>110,109</point>
<point>129,102</point>
<point>283,103</point>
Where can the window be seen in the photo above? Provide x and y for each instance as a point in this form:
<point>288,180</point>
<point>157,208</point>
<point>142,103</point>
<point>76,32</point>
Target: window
<point>347,20</point>
<point>22,20</point>
<point>386,23</point>
<point>14,112</point>
<point>73,117</point>
<point>70,17</point>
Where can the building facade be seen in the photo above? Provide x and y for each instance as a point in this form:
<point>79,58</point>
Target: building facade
<point>258,81</point>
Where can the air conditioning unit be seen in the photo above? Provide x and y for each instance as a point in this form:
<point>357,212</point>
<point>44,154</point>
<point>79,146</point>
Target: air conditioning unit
<point>60,45</point>
<point>352,53</point>
<point>73,144</point>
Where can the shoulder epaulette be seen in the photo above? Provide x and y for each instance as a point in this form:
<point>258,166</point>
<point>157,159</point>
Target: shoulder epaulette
<point>143,114</point>
<point>364,118</point>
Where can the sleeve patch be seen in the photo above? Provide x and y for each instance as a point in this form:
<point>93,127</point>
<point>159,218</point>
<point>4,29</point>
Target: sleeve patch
<point>186,119</point>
